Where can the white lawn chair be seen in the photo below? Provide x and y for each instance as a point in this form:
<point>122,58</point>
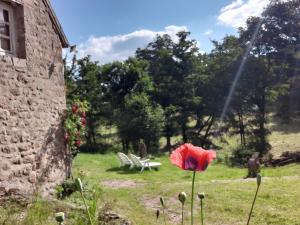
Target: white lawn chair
<point>143,163</point>
<point>125,161</point>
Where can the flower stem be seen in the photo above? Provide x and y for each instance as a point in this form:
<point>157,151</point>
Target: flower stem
<point>192,199</point>
<point>86,207</point>
<point>164,215</point>
<point>253,204</point>
<point>202,218</point>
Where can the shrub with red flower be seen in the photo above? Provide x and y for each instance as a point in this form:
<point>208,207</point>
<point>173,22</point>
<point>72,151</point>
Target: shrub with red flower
<point>75,125</point>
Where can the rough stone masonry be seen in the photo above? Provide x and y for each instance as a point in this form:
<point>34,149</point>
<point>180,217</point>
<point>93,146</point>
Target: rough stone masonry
<point>33,156</point>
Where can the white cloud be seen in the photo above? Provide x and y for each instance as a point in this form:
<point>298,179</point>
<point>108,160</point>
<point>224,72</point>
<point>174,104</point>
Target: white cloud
<point>238,11</point>
<point>111,48</point>
<point>209,32</point>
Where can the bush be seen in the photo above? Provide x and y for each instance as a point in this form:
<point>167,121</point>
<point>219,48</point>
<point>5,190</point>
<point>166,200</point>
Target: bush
<point>64,190</point>
<point>95,148</point>
<point>241,155</point>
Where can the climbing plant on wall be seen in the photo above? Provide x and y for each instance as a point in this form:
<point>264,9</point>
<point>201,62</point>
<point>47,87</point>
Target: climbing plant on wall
<point>74,125</point>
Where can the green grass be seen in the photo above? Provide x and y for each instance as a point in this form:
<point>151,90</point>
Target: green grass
<point>228,195</point>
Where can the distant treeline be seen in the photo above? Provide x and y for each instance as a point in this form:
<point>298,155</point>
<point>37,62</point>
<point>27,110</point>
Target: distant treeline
<point>168,84</point>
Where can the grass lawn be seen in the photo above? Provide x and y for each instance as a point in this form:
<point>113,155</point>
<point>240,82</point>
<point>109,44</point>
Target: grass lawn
<point>228,195</point>
<point>136,195</point>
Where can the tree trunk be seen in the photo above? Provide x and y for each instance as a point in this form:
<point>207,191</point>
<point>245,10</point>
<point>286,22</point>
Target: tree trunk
<point>208,129</point>
<point>183,132</point>
<point>168,137</point>
<point>242,128</point>
<point>204,124</point>
<point>262,134</point>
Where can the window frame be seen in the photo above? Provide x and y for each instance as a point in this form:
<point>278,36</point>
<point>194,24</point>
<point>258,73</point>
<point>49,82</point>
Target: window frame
<point>10,23</point>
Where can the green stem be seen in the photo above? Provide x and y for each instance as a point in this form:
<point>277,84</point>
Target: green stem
<point>182,209</point>
<point>253,204</point>
<point>86,207</point>
<point>192,199</point>
<point>202,218</point>
<point>164,215</point>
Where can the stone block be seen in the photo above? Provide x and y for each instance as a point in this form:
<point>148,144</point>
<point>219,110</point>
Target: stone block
<point>32,177</point>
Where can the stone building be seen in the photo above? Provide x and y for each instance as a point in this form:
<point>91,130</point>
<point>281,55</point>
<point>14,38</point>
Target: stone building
<point>33,156</point>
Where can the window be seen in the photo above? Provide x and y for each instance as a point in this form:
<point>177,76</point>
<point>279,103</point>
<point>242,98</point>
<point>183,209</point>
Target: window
<point>6,29</point>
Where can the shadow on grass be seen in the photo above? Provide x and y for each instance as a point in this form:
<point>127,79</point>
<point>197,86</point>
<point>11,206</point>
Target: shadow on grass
<point>127,170</point>
<point>123,170</point>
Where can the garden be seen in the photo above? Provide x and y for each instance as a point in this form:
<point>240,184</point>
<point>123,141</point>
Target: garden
<point>117,194</point>
<point>240,101</point>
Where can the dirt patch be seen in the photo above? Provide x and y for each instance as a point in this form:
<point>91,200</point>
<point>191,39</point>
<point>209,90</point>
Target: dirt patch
<point>116,184</point>
<point>153,204</point>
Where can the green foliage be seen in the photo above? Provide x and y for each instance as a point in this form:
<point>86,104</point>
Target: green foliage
<point>241,155</point>
<point>65,189</point>
<point>96,148</point>
<point>145,121</point>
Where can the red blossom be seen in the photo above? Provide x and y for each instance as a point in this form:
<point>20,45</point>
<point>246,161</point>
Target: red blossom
<point>74,108</point>
<point>83,121</point>
<point>190,157</point>
<point>83,114</point>
<point>77,143</point>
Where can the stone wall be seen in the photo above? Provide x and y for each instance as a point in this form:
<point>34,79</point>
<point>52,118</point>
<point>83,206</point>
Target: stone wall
<point>33,156</point>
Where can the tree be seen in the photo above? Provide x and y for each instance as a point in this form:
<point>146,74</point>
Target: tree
<point>172,65</point>
<point>278,29</point>
<point>159,55</point>
<point>140,120</point>
<point>127,87</point>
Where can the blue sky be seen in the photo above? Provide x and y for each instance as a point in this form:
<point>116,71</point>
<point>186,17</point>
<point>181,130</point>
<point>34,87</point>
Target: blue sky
<point>112,29</point>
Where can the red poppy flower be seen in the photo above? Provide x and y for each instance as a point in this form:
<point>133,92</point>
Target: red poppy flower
<point>190,157</point>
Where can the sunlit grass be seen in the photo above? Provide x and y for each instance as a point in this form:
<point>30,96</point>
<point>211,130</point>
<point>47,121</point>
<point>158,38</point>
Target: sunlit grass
<point>228,194</point>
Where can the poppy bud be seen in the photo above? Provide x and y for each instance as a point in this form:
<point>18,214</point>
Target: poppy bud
<point>201,196</point>
<point>258,179</point>
<point>83,121</point>
<point>182,197</point>
<point>74,108</point>
<point>157,214</point>
<point>78,184</point>
<point>162,202</point>
<point>60,217</point>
